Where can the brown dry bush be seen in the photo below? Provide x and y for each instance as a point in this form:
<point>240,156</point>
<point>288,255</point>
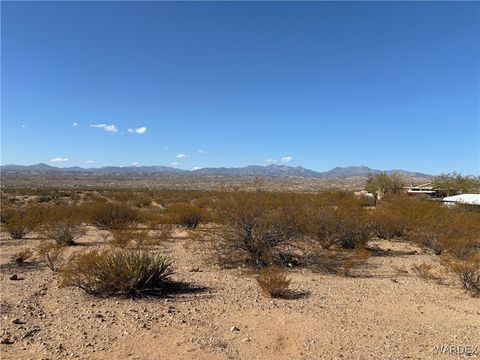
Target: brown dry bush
<point>133,273</point>
<point>51,254</point>
<point>391,217</point>
<point>358,258</point>
<point>467,271</point>
<point>188,216</point>
<point>20,222</point>
<point>110,215</point>
<point>63,224</point>
<point>273,281</point>
<point>344,224</point>
<point>123,238</point>
<point>452,230</point>
<point>21,256</point>
<point>257,229</point>
<point>425,271</point>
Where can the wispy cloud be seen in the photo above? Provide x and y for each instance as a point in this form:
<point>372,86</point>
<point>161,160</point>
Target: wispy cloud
<point>140,131</point>
<point>203,152</point>
<point>175,163</point>
<point>59,159</point>
<point>110,128</point>
<point>286,159</point>
<point>196,168</point>
<point>24,126</point>
<point>135,164</point>
<point>181,156</point>
<point>75,124</point>
<point>271,161</point>
<point>90,162</point>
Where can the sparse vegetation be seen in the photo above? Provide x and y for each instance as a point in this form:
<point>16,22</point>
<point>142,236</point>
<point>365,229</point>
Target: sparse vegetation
<point>50,253</point>
<point>20,257</point>
<point>112,215</point>
<point>467,271</point>
<point>258,229</point>
<point>133,273</point>
<point>425,271</point>
<point>274,281</point>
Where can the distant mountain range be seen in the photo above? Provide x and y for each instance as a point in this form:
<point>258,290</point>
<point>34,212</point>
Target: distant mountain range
<point>251,170</point>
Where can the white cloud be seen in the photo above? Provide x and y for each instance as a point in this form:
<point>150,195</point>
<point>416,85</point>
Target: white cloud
<point>203,152</point>
<point>135,164</point>
<point>181,156</point>
<point>287,159</point>
<point>90,162</point>
<point>140,131</point>
<point>110,128</point>
<point>75,124</point>
<point>196,168</point>
<point>271,161</point>
<point>175,163</point>
<point>24,126</point>
<point>59,159</point>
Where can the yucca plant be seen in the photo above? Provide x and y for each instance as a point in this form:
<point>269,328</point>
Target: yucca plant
<point>134,273</point>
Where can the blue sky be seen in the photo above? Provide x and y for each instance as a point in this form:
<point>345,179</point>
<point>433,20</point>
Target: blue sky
<point>384,84</point>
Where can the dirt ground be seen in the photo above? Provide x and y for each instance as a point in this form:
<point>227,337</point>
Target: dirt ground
<point>381,312</point>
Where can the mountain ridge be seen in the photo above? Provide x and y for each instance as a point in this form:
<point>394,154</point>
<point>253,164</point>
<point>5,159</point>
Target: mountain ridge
<point>272,170</point>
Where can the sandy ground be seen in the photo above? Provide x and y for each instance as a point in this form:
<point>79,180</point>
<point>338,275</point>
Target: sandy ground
<point>380,313</point>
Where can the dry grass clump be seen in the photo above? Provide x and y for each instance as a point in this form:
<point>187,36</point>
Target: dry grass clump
<point>273,281</point>
<point>133,273</point>
<point>21,256</point>
<point>51,254</point>
<point>467,271</point>
<point>425,271</point>
<point>112,215</point>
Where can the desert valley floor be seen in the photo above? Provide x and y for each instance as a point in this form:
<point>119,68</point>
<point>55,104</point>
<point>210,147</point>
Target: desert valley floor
<point>383,311</point>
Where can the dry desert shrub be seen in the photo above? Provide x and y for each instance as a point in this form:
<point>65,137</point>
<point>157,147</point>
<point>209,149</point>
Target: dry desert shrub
<point>63,224</point>
<point>133,273</point>
<point>51,254</point>
<point>188,216</point>
<point>257,229</point>
<point>467,271</point>
<point>425,271</point>
<point>20,257</point>
<point>358,258</point>
<point>273,281</point>
<point>344,224</point>
<point>112,215</point>
<point>123,238</point>
<point>20,221</point>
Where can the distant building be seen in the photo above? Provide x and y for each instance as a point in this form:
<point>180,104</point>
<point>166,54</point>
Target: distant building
<point>470,199</point>
<point>426,190</point>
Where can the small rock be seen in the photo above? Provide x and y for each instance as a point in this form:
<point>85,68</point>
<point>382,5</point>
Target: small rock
<point>15,277</point>
<point>234,328</point>
<point>18,322</point>
<point>7,340</point>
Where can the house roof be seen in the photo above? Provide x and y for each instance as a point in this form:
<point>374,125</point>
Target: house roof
<point>464,199</point>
